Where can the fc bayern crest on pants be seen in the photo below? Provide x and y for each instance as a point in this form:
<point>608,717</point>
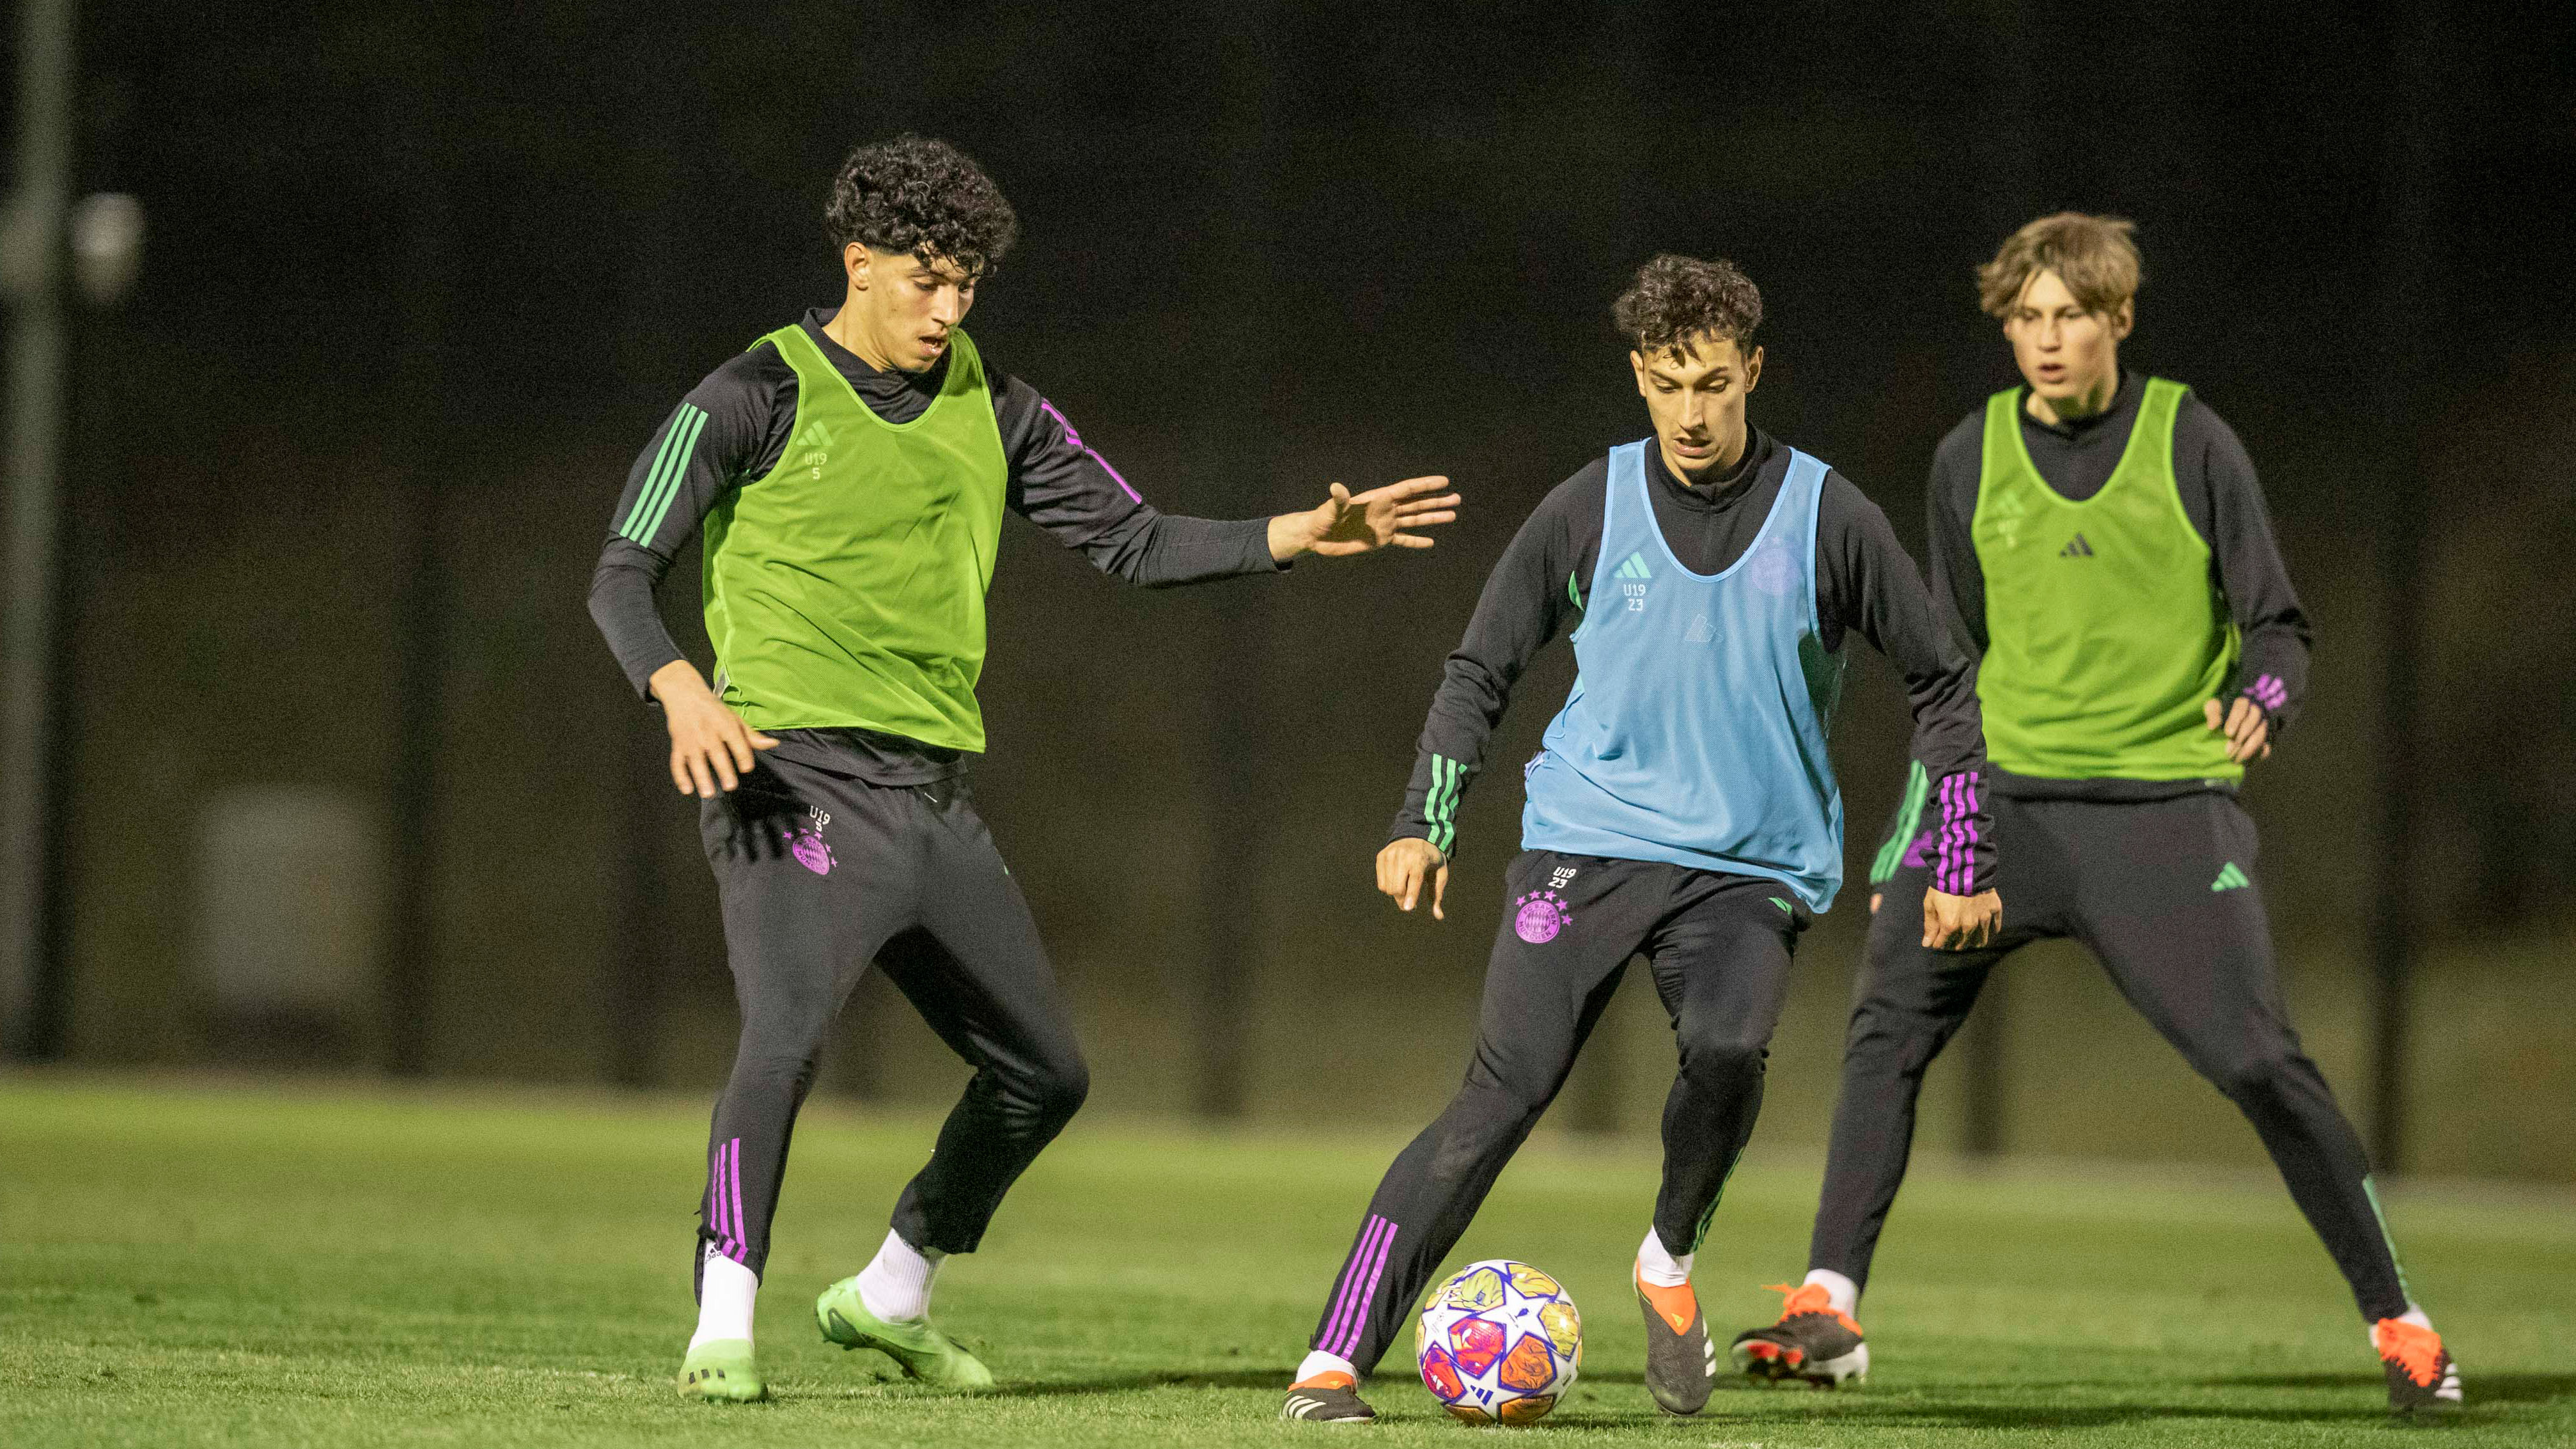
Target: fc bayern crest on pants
<point>1541,914</point>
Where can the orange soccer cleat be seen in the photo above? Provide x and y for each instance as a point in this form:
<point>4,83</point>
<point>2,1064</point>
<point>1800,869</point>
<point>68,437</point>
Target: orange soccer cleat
<point>2421,1377</point>
<point>1811,1342</point>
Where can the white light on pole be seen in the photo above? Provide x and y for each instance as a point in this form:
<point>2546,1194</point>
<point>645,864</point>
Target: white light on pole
<point>107,246</point>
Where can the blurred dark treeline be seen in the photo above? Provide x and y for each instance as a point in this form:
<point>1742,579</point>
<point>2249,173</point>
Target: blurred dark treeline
<point>421,279</point>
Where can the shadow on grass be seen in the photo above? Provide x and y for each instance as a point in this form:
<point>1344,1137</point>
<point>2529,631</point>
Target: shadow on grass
<point>2482,1388</point>
<point>1260,1378</point>
<point>1864,1409</point>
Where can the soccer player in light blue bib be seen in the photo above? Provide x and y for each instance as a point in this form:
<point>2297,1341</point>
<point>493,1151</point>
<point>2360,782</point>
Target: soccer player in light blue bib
<point>1684,808</point>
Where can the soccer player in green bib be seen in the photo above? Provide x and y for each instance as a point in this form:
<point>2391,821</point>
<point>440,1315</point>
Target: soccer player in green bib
<point>848,474</point>
<point>2099,538</point>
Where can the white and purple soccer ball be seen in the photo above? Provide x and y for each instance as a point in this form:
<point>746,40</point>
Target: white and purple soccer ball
<point>1499,1343</point>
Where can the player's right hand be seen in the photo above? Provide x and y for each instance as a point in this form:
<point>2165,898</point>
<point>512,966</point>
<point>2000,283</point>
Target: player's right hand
<point>1401,868</point>
<point>1961,923</point>
<point>711,747</point>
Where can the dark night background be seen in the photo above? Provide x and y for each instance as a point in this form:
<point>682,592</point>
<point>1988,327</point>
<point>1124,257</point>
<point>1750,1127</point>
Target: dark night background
<point>422,279</point>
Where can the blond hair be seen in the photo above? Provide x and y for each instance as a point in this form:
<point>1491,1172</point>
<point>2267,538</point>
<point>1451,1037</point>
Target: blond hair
<point>2092,255</point>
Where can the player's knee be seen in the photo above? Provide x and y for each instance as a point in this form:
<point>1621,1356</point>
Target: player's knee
<point>1057,1088</point>
<point>1485,1119</point>
<point>785,1053</point>
<point>1722,1053</point>
<point>2257,1076</point>
<point>1887,1038</point>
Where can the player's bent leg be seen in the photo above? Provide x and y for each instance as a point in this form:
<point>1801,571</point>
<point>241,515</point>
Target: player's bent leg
<point>1721,967</point>
<point>1907,1005</point>
<point>1544,990</point>
<point>975,970</point>
<point>1428,1196</point>
<point>991,996</point>
<point>2173,906</point>
<point>796,938</point>
<point>1423,1205</point>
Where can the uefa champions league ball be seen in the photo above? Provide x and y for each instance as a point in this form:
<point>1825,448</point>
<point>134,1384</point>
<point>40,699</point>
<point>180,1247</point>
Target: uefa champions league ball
<point>1500,1342</point>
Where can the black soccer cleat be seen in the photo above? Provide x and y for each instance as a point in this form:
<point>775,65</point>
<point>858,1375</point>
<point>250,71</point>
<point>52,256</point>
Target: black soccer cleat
<point>2422,1380</point>
<point>1680,1359</point>
<point>1327,1399</point>
<point>1811,1343</point>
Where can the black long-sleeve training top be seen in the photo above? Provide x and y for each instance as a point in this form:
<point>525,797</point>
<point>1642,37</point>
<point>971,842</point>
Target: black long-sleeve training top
<point>1865,584</point>
<point>2225,504</point>
<point>1056,482</point>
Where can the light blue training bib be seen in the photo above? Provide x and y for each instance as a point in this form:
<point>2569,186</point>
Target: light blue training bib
<point>1695,733</point>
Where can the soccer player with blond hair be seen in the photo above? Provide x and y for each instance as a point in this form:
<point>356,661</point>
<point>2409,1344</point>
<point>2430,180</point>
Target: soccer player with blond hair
<point>2098,537</point>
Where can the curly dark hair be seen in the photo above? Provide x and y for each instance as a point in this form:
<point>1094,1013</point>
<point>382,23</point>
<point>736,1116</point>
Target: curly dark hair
<point>920,195</point>
<point>1676,298</point>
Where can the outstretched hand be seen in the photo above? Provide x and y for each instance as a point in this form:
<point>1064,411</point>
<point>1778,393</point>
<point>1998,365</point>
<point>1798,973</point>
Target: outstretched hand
<point>1348,523</point>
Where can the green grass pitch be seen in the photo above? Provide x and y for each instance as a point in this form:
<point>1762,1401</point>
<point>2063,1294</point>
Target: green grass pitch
<point>201,1264</point>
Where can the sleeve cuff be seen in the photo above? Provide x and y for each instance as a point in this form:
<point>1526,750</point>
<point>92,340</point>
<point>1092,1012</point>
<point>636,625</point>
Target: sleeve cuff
<point>643,679</point>
<point>1963,843</point>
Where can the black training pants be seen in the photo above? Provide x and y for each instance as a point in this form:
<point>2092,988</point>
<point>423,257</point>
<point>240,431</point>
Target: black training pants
<point>1719,947</point>
<point>2163,893</point>
<point>819,873</point>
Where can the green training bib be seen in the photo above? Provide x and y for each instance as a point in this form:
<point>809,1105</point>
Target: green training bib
<point>846,585</point>
<point>2104,630</point>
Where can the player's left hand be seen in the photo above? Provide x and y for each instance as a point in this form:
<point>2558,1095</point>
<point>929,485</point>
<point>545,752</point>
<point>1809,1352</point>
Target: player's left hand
<point>1348,523</point>
<point>2247,727</point>
<point>1961,923</point>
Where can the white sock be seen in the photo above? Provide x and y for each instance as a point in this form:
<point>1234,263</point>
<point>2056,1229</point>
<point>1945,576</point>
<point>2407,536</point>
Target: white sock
<point>1320,1362</point>
<point>725,1293</point>
<point>895,1285</point>
<point>1661,1268</point>
<point>1843,1292</point>
<point>2413,1314</point>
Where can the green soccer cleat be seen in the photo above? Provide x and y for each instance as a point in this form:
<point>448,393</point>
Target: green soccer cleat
<point>721,1372</point>
<point>921,1351</point>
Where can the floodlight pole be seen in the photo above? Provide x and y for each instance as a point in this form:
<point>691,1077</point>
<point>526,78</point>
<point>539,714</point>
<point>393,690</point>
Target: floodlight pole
<point>30,1013</point>
<point>2413,174</point>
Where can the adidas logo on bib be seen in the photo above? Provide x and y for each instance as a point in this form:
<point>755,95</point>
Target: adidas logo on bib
<point>2076,549</point>
<point>1633,576</point>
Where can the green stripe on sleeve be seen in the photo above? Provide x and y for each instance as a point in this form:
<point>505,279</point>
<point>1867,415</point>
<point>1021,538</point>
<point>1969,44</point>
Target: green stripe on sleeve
<point>1441,808</point>
<point>663,482</point>
<point>1439,790</point>
<point>653,475</point>
<point>1570,593</point>
<point>1918,788</point>
<point>694,423</point>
